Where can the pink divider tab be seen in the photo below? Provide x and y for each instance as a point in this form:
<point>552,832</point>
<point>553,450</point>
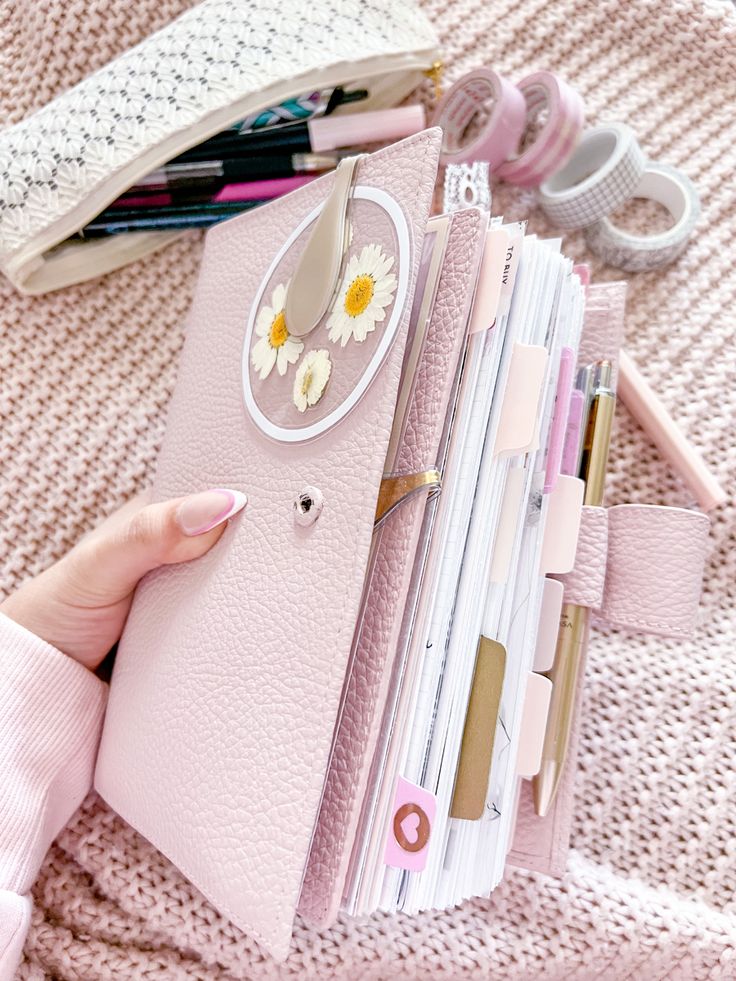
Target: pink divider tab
<point>490,280</point>
<point>519,413</point>
<point>559,419</point>
<point>562,526</point>
<point>549,625</point>
<point>542,844</point>
<point>410,828</point>
<point>533,724</point>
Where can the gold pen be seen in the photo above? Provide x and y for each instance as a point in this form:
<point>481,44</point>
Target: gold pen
<point>575,620</point>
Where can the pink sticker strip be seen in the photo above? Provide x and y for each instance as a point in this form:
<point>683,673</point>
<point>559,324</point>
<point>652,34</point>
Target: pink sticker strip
<point>410,827</point>
<point>558,136</point>
<point>498,136</point>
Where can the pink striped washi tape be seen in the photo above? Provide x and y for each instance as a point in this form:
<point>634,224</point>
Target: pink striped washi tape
<point>482,118</point>
<point>556,139</point>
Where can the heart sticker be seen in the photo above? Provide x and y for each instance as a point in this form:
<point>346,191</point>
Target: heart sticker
<point>410,828</point>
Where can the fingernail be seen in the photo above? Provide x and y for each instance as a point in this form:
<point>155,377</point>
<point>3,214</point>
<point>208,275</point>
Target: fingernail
<point>199,513</point>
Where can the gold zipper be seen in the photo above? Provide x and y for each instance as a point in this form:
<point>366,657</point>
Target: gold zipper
<point>434,74</point>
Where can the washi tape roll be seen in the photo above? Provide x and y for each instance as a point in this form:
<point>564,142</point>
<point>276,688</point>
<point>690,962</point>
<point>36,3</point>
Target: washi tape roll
<point>482,118</point>
<point>669,187</point>
<point>550,147</point>
<point>602,173</point>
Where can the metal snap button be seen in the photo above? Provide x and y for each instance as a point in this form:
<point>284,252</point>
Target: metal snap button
<point>308,506</point>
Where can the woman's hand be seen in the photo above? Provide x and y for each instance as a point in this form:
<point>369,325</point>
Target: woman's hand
<point>80,604</point>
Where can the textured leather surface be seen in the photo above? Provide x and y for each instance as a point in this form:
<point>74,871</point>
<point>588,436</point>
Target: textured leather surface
<point>655,566</point>
<point>228,678</point>
<point>584,585</point>
<point>604,324</point>
<point>390,579</point>
<point>640,567</point>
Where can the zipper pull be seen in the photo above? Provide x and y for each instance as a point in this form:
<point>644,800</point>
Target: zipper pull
<point>435,75</point>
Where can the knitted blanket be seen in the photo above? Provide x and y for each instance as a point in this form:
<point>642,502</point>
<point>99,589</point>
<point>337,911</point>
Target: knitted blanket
<point>86,375</point>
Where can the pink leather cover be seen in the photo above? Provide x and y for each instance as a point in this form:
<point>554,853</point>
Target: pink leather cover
<point>390,580</point>
<point>603,331</point>
<point>584,585</point>
<point>654,576</point>
<point>640,566</point>
<point>228,678</point>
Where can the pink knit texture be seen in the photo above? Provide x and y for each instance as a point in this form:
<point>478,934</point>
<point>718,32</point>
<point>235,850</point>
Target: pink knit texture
<point>87,373</point>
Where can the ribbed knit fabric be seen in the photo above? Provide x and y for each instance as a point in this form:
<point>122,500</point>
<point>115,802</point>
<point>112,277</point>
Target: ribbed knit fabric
<point>51,712</point>
<point>649,892</point>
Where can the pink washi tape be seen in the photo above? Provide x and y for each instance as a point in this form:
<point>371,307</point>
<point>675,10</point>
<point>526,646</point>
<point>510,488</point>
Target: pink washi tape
<point>482,117</point>
<point>557,137</point>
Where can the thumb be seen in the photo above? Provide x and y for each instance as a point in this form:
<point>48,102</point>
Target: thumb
<point>107,565</point>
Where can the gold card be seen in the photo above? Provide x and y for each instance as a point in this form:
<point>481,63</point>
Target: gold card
<point>476,752</point>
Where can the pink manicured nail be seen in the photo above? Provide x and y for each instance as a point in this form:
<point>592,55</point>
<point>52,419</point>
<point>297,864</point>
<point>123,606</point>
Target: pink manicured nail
<point>203,512</point>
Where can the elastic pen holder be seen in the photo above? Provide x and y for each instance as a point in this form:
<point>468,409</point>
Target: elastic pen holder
<point>210,68</point>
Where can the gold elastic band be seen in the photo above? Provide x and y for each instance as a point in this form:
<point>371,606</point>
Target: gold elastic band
<point>395,489</point>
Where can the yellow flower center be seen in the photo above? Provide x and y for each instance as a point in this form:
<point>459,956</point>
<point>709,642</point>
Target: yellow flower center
<point>359,295</point>
<point>306,382</point>
<point>278,334</point>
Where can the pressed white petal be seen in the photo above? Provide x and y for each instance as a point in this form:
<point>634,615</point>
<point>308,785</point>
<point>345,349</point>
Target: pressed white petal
<point>264,321</point>
<point>293,348</point>
<point>319,366</point>
<point>266,359</point>
<point>258,355</point>
<point>335,317</point>
<point>278,298</point>
<point>371,261</point>
<point>352,270</point>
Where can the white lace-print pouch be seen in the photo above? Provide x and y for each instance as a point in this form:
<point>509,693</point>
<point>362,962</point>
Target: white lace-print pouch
<point>214,65</point>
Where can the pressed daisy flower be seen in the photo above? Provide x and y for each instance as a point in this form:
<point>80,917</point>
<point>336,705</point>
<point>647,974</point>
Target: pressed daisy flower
<point>276,345</point>
<point>367,288</point>
<point>311,379</point>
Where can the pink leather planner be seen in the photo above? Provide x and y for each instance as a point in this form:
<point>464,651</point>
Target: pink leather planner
<point>336,337</point>
<point>229,676</point>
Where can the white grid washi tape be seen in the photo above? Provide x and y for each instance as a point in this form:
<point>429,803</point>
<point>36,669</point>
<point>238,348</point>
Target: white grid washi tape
<point>637,253</point>
<point>603,172</point>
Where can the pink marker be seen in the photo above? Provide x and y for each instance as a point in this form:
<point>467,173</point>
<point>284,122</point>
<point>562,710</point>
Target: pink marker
<point>571,447</point>
<point>262,190</point>
<point>559,419</point>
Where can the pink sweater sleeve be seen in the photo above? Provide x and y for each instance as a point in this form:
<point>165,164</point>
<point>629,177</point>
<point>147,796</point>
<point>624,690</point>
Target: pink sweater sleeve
<point>51,711</point>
